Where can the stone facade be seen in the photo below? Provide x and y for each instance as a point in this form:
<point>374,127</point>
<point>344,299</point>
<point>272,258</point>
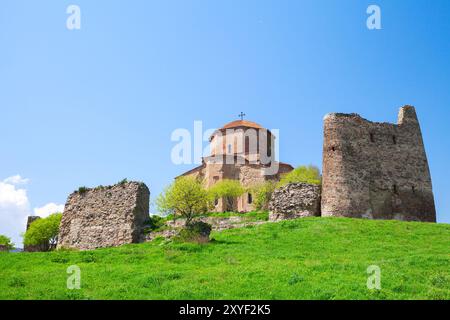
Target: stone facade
<point>105,217</point>
<point>295,200</point>
<point>36,248</point>
<point>376,170</point>
<point>240,150</point>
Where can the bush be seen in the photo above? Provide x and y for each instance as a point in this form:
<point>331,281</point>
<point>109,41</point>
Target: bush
<point>186,197</point>
<point>83,190</point>
<point>44,232</point>
<point>195,232</point>
<point>305,174</point>
<point>228,190</point>
<point>155,222</point>
<point>6,242</point>
<point>262,194</point>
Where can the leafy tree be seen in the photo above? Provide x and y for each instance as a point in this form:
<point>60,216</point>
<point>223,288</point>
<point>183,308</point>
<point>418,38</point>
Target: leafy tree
<point>6,242</point>
<point>44,231</point>
<point>262,193</point>
<point>185,197</point>
<point>306,174</point>
<point>228,190</point>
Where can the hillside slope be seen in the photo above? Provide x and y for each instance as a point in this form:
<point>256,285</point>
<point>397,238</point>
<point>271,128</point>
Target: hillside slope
<point>311,258</point>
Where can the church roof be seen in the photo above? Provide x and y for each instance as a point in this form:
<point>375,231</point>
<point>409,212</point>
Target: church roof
<point>242,123</point>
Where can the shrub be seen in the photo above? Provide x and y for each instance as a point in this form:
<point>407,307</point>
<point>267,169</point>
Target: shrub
<point>123,182</point>
<point>6,242</point>
<point>305,174</point>
<point>262,194</point>
<point>185,197</point>
<point>195,232</point>
<point>155,222</point>
<point>83,190</point>
<point>44,231</point>
<point>228,190</point>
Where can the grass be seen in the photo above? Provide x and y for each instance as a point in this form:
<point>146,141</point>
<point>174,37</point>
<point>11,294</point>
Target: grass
<point>311,258</point>
<point>254,215</point>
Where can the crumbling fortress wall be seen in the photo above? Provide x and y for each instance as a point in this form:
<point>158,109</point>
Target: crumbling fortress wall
<point>376,170</point>
<point>295,200</point>
<point>105,216</point>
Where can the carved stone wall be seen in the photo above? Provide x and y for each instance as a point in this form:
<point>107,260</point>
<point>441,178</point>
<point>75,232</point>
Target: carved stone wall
<point>295,200</point>
<point>376,170</point>
<point>105,216</point>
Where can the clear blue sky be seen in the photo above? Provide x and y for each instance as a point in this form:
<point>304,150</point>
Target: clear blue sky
<point>92,106</point>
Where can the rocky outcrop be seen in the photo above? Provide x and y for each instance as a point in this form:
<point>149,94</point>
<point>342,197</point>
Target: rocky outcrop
<point>105,216</point>
<point>295,200</point>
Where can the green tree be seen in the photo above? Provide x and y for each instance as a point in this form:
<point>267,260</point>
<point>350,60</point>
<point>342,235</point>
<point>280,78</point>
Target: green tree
<point>262,193</point>
<point>185,197</point>
<point>44,231</point>
<point>228,190</point>
<point>306,174</point>
<point>6,242</point>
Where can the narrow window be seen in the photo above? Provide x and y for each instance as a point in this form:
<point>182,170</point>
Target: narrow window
<point>394,139</point>
<point>247,145</point>
<point>372,138</point>
<point>395,189</point>
<point>413,189</point>
<point>216,202</point>
<point>333,149</point>
<point>249,198</point>
<point>229,149</point>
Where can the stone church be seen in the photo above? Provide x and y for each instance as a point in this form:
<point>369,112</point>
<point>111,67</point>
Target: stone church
<point>240,150</point>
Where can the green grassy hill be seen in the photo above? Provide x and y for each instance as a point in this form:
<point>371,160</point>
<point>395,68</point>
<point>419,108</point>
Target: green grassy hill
<point>312,258</point>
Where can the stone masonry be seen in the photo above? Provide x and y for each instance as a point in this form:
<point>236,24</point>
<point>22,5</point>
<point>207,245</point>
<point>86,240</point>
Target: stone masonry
<point>295,200</point>
<point>105,216</point>
<point>376,170</point>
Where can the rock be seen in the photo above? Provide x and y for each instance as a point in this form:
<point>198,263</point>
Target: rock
<point>295,200</point>
<point>105,216</point>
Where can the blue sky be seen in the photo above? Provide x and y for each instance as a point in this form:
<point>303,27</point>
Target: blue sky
<point>92,106</point>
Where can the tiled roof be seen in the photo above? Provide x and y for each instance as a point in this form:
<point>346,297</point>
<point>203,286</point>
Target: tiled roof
<point>242,123</point>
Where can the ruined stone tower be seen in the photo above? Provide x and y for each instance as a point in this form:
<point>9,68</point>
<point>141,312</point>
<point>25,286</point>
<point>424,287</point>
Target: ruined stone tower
<point>376,170</point>
<point>105,216</point>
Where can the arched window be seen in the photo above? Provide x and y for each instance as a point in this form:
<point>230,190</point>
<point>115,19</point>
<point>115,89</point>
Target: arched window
<point>247,145</point>
<point>249,198</point>
<point>372,137</point>
<point>229,148</point>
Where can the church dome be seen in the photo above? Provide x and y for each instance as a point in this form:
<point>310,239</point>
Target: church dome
<point>242,123</point>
